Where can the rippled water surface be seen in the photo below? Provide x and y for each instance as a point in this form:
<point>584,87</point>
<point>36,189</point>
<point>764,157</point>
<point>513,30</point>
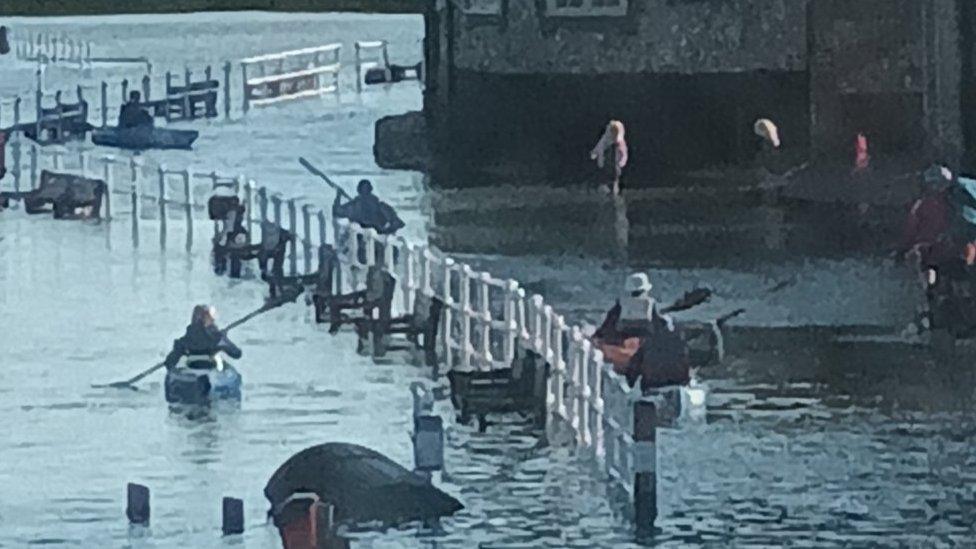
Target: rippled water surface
<point>807,443</point>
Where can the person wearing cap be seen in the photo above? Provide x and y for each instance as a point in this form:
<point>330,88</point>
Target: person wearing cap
<point>637,306</point>
<point>368,211</point>
<point>201,342</point>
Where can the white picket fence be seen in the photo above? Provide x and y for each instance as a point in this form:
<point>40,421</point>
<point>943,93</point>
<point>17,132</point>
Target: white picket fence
<point>488,321</point>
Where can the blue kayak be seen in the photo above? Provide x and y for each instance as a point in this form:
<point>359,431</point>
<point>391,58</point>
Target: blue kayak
<point>192,386</point>
<point>144,138</point>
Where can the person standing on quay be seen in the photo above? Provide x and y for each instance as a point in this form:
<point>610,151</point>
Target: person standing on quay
<point>610,154</point>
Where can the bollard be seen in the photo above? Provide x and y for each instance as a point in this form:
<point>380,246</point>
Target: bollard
<point>428,433</point>
<point>137,503</point>
<point>227,68</point>
<point>645,465</point>
<point>233,516</point>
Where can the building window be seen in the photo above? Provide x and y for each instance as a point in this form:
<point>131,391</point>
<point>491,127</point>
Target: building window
<point>586,8</point>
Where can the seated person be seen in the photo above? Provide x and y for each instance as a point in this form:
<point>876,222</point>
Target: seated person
<point>133,115</point>
<point>201,342</point>
<point>662,359</point>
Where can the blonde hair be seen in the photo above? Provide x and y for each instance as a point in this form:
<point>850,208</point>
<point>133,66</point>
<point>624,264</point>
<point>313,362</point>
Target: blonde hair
<point>616,129</point>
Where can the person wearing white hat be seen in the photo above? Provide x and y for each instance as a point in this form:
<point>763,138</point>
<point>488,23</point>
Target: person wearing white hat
<point>637,307</point>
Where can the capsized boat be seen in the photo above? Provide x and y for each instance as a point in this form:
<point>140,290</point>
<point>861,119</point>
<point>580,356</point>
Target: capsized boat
<point>142,138</point>
<point>197,386</point>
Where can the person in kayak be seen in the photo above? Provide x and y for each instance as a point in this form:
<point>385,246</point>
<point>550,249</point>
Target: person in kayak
<point>368,210</point>
<point>201,342</point>
<point>633,312</point>
<point>662,359</point>
<point>133,115</point>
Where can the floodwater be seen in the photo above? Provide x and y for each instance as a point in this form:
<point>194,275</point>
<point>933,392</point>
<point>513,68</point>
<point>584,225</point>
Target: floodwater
<point>808,443</point>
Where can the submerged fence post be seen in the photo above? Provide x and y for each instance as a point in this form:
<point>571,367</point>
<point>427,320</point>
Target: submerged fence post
<point>134,196</point>
<point>146,87</point>
<point>108,160</point>
<point>104,98</point>
<point>33,166</point>
<point>137,503</point>
<point>293,228</point>
<point>323,231</point>
<point>307,242</point>
<point>448,313</point>
<point>248,205</point>
<point>188,194</point>
<point>246,101</point>
<point>162,206</point>
<point>227,69</point>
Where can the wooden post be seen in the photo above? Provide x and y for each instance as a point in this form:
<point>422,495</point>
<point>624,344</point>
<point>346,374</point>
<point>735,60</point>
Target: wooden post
<point>485,321</point>
<point>464,303</point>
<point>276,203</point>
<point>233,516</point>
<point>511,321</point>
<point>107,175</point>
<point>137,504</point>
<point>227,69</point>
<point>146,88</point>
<point>293,229</point>
<point>263,204</point>
<point>307,241</point>
<point>188,193</point>
<point>162,206</point>
<point>33,166</point>
<point>17,101</point>
<point>104,98</point>
<point>645,461</point>
<point>409,281</point>
<point>125,90</point>
<point>323,230</point>
<point>359,69</point>
<point>248,205</point>
<point>246,101</point>
<point>134,197</point>
<point>187,104</point>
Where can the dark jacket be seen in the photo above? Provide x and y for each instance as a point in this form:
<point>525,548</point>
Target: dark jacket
<point>201,340</point>
<point>370,212</point>
<point>132,115</point>
<point>661,360</point>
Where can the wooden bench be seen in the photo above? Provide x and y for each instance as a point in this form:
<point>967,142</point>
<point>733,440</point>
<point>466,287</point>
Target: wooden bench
<point>66,194</point>
<point>403,333</point>
<point>520,389</point>
<point>380,286</point>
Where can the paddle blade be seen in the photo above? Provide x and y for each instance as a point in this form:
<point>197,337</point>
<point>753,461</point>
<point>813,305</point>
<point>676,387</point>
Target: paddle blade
<point>690,299</point>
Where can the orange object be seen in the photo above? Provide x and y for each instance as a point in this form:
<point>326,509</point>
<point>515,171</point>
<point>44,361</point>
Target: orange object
<point>970,253</point>
<point>618,355</point>
<point>862,159</point>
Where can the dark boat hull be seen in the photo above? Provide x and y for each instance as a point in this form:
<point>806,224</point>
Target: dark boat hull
<point>188,386</point>
<point>144,138</point>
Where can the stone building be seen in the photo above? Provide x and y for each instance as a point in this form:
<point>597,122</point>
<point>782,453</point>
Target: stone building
<point>534,81</point>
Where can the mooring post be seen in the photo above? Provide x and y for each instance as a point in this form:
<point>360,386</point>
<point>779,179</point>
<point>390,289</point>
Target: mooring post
<point>227,69</point>
<point>137,503</point>
<point>162,205</point>
<point>645,465</point>
<point>293,229</point>
<point>232,516</point>
<point>428,433</point>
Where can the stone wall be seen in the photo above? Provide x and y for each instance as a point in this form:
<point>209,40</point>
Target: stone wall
<point>668,36</point>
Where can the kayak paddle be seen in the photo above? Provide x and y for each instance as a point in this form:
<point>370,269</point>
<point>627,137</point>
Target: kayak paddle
<point>315,171</point>
<point>286,297</point>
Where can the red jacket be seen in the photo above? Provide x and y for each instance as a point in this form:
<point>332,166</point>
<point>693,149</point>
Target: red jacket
<point>928,227</point>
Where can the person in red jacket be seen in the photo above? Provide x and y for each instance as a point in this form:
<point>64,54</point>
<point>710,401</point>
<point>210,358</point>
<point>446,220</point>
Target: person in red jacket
<point>927,240</point>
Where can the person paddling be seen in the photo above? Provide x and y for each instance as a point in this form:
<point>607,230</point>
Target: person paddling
<point>632,314</point>
<point>202,342</point>
<point>368,210</point>
<point>132,115</point>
